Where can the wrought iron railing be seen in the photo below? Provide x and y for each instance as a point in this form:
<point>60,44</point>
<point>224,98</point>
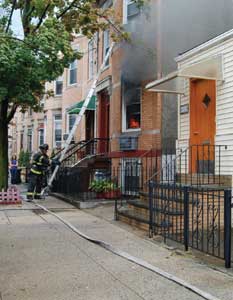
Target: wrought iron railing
<point>196,165</point>
<point>83,149</point>
<point>196,217</point>
<point>126,180</point>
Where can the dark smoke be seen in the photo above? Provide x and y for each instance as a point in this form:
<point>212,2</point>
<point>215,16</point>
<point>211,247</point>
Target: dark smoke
<point>184,24</point>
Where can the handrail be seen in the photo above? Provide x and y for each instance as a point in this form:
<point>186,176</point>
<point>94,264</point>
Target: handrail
<point>72,146</point>
<point>92,141</point>
<point>179,156</point>
<point>174,159</point>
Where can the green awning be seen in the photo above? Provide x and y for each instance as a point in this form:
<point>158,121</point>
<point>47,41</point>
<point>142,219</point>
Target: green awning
<point>77,107</point>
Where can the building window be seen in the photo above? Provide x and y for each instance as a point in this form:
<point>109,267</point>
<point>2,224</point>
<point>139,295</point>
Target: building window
<point>131,106</point>
<point>73,72</point>
<point>57,130</point>
<point>30,112</point>
<point>29,140</point>
<point>131,9</point>
<point>41,135</point>
<point>106,45</point>
<point>71,121</point>
<point>91,59</point>
<point>59,86</point>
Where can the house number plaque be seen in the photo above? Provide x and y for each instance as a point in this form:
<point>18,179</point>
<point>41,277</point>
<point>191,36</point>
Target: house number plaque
<point>184,109</point>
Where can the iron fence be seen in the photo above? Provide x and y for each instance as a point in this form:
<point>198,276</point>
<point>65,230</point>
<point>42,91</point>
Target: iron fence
<point>196,165</point>
<point>125,181</point>
<point>197,217</point>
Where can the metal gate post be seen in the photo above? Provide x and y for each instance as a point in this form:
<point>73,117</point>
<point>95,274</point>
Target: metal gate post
<point>186,218</point>
<point>116,211</point>
<point>227,228</point>
<point>151,229</point>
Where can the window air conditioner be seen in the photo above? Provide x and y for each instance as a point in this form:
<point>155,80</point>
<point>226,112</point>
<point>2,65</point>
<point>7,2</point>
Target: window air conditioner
<point>128,143</point>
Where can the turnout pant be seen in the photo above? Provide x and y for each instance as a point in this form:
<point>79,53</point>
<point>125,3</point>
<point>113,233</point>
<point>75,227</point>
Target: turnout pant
<point>34,185</point>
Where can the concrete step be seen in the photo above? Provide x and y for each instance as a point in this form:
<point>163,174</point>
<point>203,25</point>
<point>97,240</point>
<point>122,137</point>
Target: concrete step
<point>162,208</point>
<point>140,221</point>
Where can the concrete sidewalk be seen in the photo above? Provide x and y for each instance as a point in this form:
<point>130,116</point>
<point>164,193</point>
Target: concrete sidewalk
<point>42,259</point>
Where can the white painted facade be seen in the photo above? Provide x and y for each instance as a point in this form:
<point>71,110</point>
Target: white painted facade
<point>221,45</point>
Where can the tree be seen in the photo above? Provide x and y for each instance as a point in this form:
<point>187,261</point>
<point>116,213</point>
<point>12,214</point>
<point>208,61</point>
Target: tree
<point>40,56</point>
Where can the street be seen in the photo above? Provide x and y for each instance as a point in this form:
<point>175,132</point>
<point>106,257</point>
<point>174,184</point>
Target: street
<point>42,259</point>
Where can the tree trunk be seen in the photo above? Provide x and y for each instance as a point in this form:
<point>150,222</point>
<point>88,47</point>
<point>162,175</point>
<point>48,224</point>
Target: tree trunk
<point>3,147</point>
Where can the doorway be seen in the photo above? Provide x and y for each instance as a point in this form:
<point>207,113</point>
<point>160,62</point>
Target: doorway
<point>104,122</point>
<point>90,129</point>
<point>202,125</point>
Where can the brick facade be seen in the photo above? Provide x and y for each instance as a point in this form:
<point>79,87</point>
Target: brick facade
<point>110,85</point>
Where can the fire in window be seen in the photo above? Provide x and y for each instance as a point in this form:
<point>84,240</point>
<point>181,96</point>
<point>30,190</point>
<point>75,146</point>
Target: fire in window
<point>132,104</point>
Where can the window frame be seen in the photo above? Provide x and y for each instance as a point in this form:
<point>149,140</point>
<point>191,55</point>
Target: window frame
<point>68,129</point>
<point>106,49</point>
<point>54,129</point>
<point>59,79</point>
<point>40,130</point>
<point>91,62</point>
<point>124,115</point>
<point>69,72</point>
<point>126,17</point>
<point>30,140</point>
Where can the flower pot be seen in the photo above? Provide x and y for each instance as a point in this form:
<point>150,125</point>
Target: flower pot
<point>100,195</point>
<point>112,194</point>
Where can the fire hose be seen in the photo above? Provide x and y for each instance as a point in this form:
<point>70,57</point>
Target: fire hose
<point>133,259</point>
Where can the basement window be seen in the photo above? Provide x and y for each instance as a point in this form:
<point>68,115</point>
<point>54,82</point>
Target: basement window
<point>131,98</point>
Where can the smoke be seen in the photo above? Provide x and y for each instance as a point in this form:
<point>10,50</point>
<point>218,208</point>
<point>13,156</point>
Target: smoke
<point>139,60</point>
<point>183,24</point>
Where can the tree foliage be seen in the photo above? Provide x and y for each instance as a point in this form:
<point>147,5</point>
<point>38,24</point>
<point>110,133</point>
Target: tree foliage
<point>49,26</point>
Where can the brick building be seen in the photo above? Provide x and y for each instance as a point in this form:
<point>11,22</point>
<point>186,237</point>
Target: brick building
<point>52,125</point>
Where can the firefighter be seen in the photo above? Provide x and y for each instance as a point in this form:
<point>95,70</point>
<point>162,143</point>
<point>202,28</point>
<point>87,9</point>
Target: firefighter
<point>38,170</point>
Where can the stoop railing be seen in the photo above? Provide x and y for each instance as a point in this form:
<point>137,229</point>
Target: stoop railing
<point>196,217</point>
<point>189,204</point>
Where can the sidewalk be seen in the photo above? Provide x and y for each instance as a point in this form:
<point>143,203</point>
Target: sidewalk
<point>41,259</point>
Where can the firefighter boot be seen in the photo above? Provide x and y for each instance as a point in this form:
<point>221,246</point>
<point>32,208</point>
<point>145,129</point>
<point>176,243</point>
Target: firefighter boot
<point>38,196</point>
<point>29,197</point>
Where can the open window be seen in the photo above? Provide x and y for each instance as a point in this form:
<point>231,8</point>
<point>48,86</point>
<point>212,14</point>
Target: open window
<point>131,103</point>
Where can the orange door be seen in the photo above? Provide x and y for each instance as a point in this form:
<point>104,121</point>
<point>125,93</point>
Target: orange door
<point>202,124</point>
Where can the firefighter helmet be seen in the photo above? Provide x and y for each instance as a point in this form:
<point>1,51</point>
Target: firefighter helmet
<point>44,147</point>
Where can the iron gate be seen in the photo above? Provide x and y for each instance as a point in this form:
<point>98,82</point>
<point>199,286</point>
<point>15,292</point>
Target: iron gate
<point>197,217</point>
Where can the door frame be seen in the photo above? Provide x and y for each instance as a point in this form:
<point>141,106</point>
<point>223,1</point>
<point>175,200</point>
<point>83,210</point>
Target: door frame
<point>193,167</point>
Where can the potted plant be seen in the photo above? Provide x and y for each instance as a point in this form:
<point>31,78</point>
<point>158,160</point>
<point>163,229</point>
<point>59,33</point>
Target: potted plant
<point>97,186</point>
<point>111,190</point>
